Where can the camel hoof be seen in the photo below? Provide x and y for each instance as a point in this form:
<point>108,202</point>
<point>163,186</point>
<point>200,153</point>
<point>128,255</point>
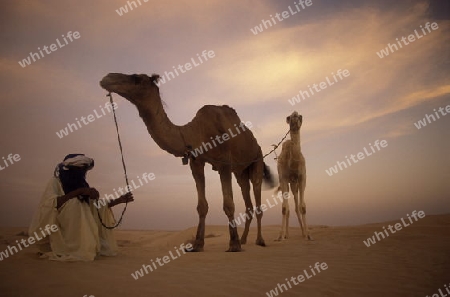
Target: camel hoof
<point>197,248</point>
<point>243,240</point>
<point>260,242</point>
<point>310,238</point>
<point>194,250</point>
<point>235,247</point>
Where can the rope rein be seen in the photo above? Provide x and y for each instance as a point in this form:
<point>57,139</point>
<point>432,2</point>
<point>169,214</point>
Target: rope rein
<point>241,163</point>
<point>277,145</point>
<point>124,169</point>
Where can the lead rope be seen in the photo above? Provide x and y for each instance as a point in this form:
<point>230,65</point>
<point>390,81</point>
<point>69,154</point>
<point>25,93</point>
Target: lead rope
<point>124,169</point>
<point>241,163</point>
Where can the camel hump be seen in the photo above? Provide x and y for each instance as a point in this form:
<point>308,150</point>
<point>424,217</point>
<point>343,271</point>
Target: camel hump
<point>219,111</point>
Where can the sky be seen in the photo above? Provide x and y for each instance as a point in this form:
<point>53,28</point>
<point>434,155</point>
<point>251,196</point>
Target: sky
<point>256,74</point>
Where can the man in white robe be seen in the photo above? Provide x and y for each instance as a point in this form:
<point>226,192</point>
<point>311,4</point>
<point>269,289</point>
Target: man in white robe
<point>68,202</point>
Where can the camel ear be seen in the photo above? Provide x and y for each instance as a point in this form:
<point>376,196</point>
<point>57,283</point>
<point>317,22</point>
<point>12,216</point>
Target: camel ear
<point>155,78</point>
<point>288,119</point>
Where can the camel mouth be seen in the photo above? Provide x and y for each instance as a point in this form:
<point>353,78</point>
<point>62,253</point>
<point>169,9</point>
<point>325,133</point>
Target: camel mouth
<point>116,83</point>
<point>294,127</point>
<point>106,86</point>
<point>109,83</point>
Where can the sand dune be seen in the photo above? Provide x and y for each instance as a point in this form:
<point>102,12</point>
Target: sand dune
<point>413,262</point>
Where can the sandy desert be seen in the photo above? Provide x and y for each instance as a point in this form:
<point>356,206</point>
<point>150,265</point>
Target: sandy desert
<point>413,262</point>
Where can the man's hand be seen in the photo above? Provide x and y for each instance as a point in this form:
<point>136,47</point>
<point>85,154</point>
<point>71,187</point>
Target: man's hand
<point>94,194</point>
<point>91,192</point>
<point>126,198</point>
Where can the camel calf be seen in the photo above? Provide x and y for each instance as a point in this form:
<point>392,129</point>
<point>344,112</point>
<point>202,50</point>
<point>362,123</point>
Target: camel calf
<point>292,172</point>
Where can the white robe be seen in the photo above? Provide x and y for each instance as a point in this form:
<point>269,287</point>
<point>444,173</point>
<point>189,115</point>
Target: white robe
<point>80,235</point>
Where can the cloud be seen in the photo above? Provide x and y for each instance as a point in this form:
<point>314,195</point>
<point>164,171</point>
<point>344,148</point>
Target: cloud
<point>270,68</point>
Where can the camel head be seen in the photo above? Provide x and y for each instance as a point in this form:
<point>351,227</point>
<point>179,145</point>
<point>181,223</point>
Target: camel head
<point>133,87</point>
<point>295,121</point>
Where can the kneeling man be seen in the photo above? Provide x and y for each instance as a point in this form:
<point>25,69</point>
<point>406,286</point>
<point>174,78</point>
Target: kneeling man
<point>68,202</point>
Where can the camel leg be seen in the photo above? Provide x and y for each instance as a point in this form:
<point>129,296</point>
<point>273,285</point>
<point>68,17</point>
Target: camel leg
<point>198,172</point>
<point>303,206</point>
<point>294,188</point>
<point>257,182</point>
<point>244,183</point>
<point>284,210</point>
<point>228,208</point>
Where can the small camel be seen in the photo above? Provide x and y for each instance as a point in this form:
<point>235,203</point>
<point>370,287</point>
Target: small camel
<point>239,154</point>
<point>292,171</point>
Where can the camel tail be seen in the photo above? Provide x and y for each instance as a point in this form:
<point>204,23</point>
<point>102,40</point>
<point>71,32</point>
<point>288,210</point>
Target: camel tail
<point>268,179</point>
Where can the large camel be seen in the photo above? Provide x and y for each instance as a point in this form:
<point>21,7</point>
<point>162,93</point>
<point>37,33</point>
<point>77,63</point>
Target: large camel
<point>239,154</point>
<point>292,171</point>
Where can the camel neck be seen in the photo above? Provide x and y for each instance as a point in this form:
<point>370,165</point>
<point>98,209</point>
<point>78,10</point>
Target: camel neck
<point>166,134</point>
<point>295,137</point>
